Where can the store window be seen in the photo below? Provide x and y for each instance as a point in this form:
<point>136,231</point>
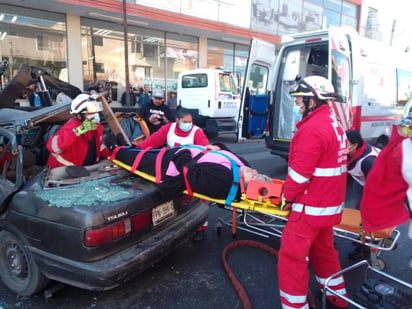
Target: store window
<point>220,54</point>
<point>333,5</point>
<point>32,37</point>
<point>181,54</point>
<point>312,17</point>
<point>290,17</point>
<point>241,55</point>
<point>332,18</point>
<point>104,59</point>
<point>350,9</point>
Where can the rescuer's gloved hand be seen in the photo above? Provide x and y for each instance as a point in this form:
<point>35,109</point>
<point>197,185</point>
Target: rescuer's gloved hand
<point>285,205</point>
<point>86,126</point>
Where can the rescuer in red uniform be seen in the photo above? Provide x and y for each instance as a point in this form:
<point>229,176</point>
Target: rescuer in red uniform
<point>79,141</point>
<point>314,190</point>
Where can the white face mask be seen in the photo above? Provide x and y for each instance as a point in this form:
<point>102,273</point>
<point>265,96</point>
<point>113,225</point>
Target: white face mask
<point>95,118</point>
<point>185,126</point>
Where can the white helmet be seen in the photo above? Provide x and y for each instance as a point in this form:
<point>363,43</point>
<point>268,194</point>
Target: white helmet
<point>314,86</point>
<point>84,103</point>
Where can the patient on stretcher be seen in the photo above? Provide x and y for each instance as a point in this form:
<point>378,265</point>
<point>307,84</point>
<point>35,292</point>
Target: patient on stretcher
<point>216,174</point>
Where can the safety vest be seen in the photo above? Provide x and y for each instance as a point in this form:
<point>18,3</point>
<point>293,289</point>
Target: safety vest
<point>174,140</point>
<point>356,172</point>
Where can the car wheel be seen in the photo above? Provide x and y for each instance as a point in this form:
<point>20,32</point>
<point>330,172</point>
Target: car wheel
<point>18,271</point>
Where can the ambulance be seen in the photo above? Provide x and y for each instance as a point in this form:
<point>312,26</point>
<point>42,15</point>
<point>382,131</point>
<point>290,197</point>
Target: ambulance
<point>372,81</point>
<point>212,96</point>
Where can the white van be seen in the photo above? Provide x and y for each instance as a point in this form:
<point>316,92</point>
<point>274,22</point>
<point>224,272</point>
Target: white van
<point>372,81</point>
<point>213,97</point>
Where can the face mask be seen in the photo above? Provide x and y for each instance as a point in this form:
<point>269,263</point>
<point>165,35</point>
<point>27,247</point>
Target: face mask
<point>296,114</point>
<point>95,118</point>
<point>185,127</point>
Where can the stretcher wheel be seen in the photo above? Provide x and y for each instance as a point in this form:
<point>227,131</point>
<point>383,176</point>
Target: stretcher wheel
<point>379,264</point>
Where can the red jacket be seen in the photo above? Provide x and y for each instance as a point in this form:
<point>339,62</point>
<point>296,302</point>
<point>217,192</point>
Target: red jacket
<point>66,148</point>
<point>316,180</point>
<point>385,190</point>
<point>159,138</point>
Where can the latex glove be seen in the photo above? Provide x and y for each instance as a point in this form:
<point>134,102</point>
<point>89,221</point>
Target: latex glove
<point>86,126</point>
<point>285,205</point>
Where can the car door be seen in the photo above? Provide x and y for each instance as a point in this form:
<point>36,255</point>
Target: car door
<point>256,91</point>
<point>9,152</point>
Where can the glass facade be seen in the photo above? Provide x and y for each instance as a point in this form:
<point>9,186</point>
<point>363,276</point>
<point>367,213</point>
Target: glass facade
<point>281,17</point>
<point>155,58</point>
<point>32,37</point>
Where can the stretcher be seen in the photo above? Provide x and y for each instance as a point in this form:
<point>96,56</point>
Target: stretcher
<point>376,290</point>
<point>268,225</point>
<point>258,211</point>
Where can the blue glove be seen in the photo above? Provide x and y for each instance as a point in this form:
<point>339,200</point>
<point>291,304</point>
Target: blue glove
<point>285,205</point>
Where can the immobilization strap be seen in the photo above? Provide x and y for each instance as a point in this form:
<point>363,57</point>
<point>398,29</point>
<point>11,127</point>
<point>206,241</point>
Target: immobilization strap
<point>159,158</point>
<point>235,184</point>
<point>186,169</point>
<point>113,156</point>
<point>138,158</point>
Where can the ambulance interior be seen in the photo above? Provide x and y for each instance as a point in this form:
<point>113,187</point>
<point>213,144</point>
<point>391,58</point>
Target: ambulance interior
<point>298,60</point>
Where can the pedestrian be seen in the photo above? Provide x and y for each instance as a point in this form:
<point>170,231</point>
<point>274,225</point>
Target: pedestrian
<point>387,194</point>
<point>156,113</point>
<point>144,97</point>
<point>79,142</point>
<point>361,157</point>
<point>35,98</point>
<point>172,101</point>
<point>133,98</point>
<point>314,191</point>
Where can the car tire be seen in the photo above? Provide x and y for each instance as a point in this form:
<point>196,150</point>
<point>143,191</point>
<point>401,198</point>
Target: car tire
<point>18,271</point>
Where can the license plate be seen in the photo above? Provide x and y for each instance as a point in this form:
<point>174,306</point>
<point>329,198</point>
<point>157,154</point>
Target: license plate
<point>162,212</point>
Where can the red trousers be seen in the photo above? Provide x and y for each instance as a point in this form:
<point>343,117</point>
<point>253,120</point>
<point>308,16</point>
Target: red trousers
<point>301,243</point>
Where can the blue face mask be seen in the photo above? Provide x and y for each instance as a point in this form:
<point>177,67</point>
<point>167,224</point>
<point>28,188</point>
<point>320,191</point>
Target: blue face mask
<point>296,115</point>
<point>185,127</point>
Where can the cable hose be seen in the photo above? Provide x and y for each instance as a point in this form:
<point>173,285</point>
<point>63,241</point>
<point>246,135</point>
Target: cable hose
<point>237,285</point>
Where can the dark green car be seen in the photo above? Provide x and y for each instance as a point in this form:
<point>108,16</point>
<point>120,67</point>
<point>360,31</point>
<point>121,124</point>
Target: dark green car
<point>93,232</point>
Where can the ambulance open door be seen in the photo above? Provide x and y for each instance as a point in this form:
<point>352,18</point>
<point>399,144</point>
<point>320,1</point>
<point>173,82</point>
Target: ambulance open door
<point>254,107</point>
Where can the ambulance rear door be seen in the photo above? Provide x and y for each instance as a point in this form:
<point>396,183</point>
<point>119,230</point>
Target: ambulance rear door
<point>256,92</point>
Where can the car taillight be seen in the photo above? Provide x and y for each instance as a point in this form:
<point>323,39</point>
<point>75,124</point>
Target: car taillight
<point>108,233</point>
<point>140,221</point>
<point>186,199</point>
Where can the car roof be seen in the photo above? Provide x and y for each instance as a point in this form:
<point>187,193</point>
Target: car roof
<point>21,118</point>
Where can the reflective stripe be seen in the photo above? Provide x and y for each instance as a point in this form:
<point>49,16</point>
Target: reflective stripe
<point>318,211</point>
<point>332,282</point>
<point>329,172</point>
<point>323,211</point>
<point>340,291</point>
<point>102,147</point>
<point>293,299</point>
<point>306,306</point>
<point>63,161</point>
<point>54,145</point>
<point>297,177</point>
<point>297,207</point>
